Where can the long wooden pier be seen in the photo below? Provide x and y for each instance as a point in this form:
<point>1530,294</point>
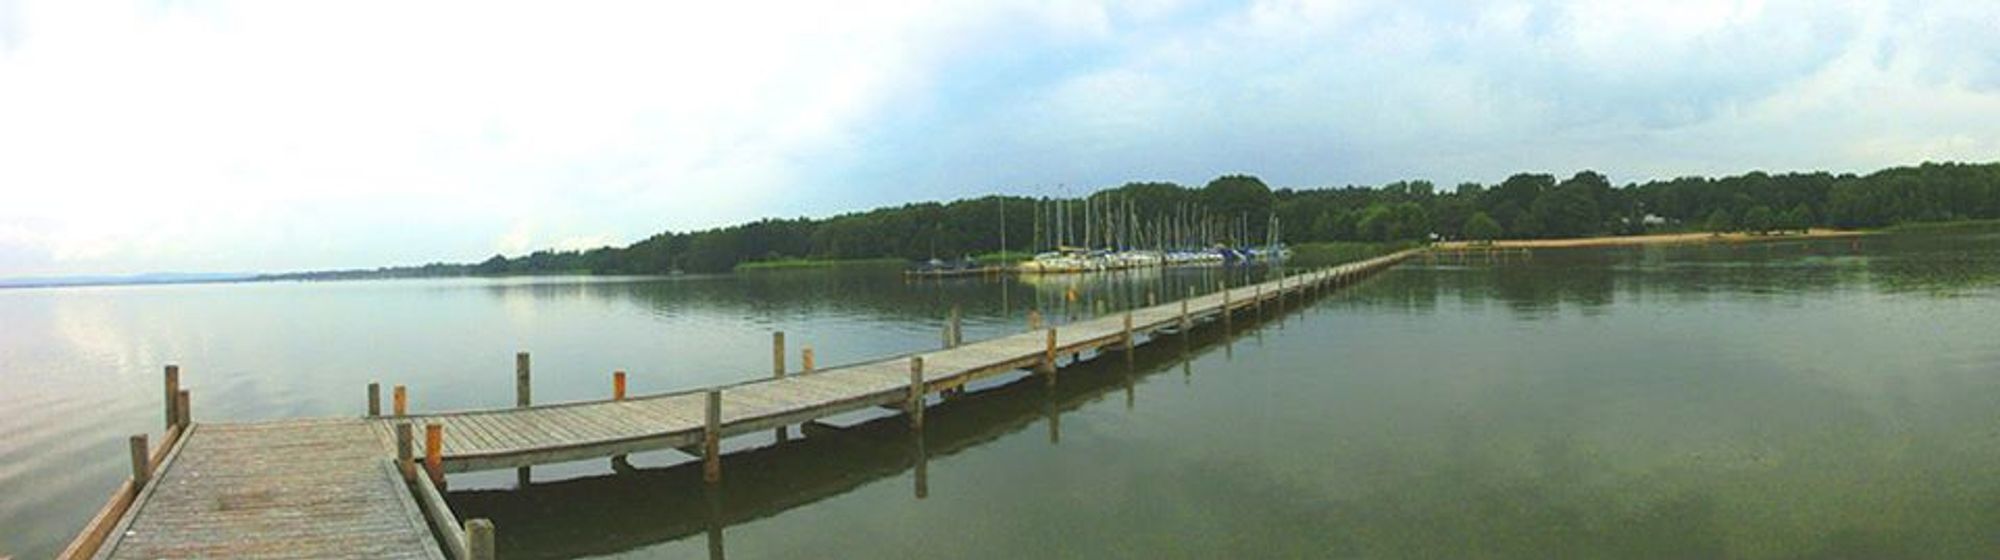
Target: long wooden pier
<point>361,488</point>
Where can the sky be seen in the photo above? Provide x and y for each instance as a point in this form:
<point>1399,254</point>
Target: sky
<point>275,136</point>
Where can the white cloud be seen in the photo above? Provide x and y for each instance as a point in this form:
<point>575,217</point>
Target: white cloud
<point>1371,91</point>
<point>232,136</point>
<point>149,137</point>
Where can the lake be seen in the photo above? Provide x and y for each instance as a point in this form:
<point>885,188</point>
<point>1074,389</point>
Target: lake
<point>1787,399</point>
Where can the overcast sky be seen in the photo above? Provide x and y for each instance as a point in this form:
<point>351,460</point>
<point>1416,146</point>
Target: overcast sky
<point>268,136</point>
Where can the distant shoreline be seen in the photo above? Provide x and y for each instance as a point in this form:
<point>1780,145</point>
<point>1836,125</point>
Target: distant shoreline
<point>1654,239</point>
<point>1345,250</point>
<point>131,280</point>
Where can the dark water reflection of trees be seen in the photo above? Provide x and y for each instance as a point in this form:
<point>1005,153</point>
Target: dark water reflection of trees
<point>1587,280</point>
<point>883,293</point>
<point>1470,503</point>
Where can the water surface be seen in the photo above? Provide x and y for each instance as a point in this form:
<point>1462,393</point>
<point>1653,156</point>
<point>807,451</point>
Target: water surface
<point>1776,400</point>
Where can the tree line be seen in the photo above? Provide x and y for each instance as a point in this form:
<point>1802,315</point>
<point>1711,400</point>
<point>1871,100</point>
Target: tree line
<point>1525,205</point>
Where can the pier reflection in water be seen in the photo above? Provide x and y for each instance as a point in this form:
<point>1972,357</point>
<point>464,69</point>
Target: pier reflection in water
<point>634,508</point>
<point>1783,400</point>
<point>1765,400</point>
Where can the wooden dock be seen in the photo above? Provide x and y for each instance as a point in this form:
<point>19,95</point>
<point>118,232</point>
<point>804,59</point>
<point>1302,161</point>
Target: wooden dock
<point>363,488</point>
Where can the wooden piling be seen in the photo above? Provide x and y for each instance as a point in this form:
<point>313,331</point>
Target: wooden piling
<point>806,359</point>
<point>914,403</point>
<point>1034,319</point>
<point>1054,416</point>
<point>711,438</point>
<point>1152,299</point>
<point>780,433</point>
<point>618,385</point>
<point>951,329</point>
<point>374,400</point>
<point>142,466</point>
<point>182,408</point>
<point>173,391</point>
<point>1128,332</point>
<point>922,458</point>
<point>522,394</point>
<point>401,397</point>
<point>406,456</point>
<point>479,539</point>
<point>1185,322</point>
<point>1048,365</point>
<point>777,353</point>
<point>434,452</point>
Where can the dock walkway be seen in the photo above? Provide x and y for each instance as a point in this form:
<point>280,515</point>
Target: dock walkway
<point>323,488</point>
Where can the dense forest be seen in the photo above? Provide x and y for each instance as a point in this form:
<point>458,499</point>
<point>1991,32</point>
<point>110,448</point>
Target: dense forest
<point>1526,205</point>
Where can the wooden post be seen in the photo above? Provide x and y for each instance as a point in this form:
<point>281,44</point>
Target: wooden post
<point>182,407</point>
<point>1185,322</point>
<point>1128,332</point>
<point>405,454</point>
<point>434,453</point>
<point>914,404</point>
<point>1152,299</point>
<point>618,385</point>
<point>173,390</point>
<point>923,467</point>
<point>806,357</point>
<point>778,354</point>
<point>1049,359</point>
<point>780,433</point>
<point>1054,417</point>
<point>479,539</point>
<point>402,401</point>
<point>1258,297</point>
<point>142,467</point>
<point>1048,365</point>
<point>374,400</point>
<point>1034,319</point>
<point>522,395</point>
<point>711,439</point>
<point>712,497</point>
<point>952,324</point>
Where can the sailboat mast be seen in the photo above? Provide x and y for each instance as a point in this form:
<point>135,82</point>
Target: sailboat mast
<point>1062,226</point>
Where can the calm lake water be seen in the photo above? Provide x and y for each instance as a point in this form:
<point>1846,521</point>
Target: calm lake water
<point>1776,400</point>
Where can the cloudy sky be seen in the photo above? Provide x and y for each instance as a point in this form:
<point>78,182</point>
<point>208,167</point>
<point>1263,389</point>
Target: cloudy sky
<point>266,136</point>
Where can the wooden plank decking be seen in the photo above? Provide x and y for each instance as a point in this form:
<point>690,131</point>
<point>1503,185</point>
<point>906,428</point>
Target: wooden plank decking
<point>327,488</point>
<point>293,489</point>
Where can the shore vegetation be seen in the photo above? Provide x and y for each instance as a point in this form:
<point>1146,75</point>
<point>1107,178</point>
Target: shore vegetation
<point>1524,206</point>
